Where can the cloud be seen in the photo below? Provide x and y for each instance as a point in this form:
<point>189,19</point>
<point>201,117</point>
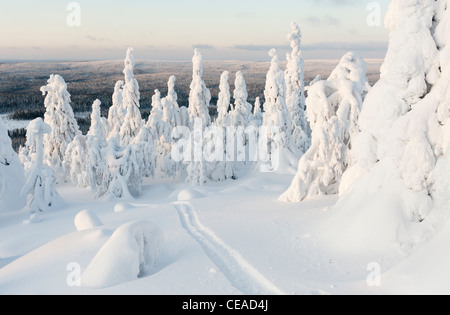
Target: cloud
<point>336,2</point>
<point>261,47</point>
<point>203,46</point>
<point>327,20</point>
<point>359,46</point>
<point>96,39</point>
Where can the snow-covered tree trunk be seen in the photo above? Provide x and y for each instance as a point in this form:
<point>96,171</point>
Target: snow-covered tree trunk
<point>39,189</point>
<point>133,121</point>
<point>405,118</point>
<point>59,116</point>
<point>11,175</point>
<point>333,110</point>
<point>295,92</point>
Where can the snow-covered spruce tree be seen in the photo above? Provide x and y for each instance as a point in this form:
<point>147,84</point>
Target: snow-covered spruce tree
<point>59,116</point>
<point>277,124</point>
<point>172,97</point>
<point>95,146</point>
<point>403,147</point>
<point>224,168</point>
<point>11,175</point>
<point>161,131</point>
<point>75,161</point>
<point>123,176</point>
<point>117,112</point>
<point>156,122</point>
<point>333,108</point>
<point>199,95</point>
<point>295,92</point>
<point>144,144</point>
<point>241,115</point>
<point>223,102</point>
<point>39,189</point>
<point>199,98</point>
<point>257,113</point>
<point>133,121</point>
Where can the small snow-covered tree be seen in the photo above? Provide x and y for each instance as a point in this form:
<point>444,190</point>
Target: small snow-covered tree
<point>11,174</point>
<point>133,121</point>
<point>257,113</point>
<point>123,177</point>
<point>39,189</point>
<point>276,119</point>
<point>75,161</point>
<point>59,116</point>
<point>333,110</point>
<point>295,92</point>
<point>172,97</point>
<point>241,114</point>
<point>117,112</point>
<point>99,124</point>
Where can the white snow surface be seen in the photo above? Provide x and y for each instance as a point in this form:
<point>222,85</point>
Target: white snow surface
<point>233,237</point>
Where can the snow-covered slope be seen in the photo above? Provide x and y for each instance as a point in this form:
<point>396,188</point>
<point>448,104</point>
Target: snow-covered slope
<point>227,238</point>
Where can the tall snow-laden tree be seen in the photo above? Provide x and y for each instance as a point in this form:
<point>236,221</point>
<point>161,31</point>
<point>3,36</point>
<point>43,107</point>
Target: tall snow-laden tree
<point>333,108</point>
<point>404,140</point>
<point>199,100</point>
<point>199,95</point>
<point>59,116</point>
<point>39,189</point>
<point>117,112</point>
<point>133,121</point>
<point>11,175</point>
<point>223,102</point>
<point>295,92</point>
<point>95,147</point>
<point>224,168</point>
<point>277,126</point>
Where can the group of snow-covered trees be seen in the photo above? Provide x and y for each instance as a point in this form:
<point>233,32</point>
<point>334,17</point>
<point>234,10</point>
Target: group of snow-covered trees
<point>121,150</point>
<point>343,131</point>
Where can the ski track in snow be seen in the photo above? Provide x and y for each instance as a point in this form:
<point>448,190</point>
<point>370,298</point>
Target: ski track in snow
<point>239,272</point>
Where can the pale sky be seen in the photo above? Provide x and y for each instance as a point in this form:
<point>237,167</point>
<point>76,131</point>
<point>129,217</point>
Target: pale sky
<point>171,29</point>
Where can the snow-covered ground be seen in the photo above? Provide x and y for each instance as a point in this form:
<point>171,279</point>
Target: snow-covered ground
<point>228,238</point>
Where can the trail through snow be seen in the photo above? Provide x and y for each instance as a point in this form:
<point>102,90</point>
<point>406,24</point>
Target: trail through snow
<point>239,272</point>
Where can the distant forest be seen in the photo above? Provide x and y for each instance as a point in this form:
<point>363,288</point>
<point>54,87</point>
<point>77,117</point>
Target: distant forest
<point>20,84</point>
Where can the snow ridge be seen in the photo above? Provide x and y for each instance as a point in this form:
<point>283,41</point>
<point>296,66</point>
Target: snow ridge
<point>239,272</point>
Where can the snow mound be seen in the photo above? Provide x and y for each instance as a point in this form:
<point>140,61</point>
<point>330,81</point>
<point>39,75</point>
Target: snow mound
<point>122,206</point>
<point>129,254</point>
<point>363,221</point>
<point>189,194</point>
<point>86,220</point>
